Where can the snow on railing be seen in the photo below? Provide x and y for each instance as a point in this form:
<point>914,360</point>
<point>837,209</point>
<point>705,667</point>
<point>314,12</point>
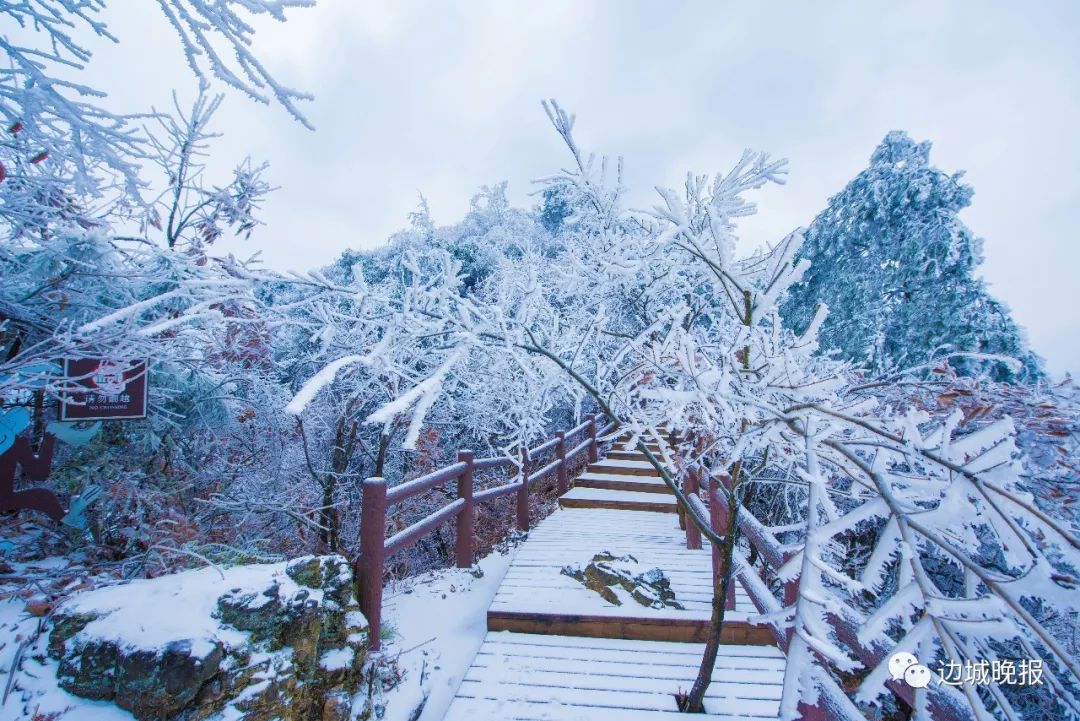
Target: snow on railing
<point>375,547</point>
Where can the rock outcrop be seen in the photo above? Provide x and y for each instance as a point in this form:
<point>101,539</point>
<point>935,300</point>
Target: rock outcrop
<point>251,643</point>
<point>607,572</point>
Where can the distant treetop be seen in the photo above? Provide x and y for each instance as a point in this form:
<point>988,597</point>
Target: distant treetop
<point>896,266</point>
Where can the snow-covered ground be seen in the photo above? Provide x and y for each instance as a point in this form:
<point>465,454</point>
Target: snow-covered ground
<point>438,622</point>
<point>36,676</point>
<point>433,625</point>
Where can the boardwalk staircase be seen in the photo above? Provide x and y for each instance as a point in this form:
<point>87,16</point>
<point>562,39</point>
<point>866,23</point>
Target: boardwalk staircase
<point>620,506</point>
<point>557,650</point>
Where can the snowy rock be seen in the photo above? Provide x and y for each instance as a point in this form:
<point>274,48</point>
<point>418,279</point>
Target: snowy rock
<point>279,641</point>
<point>606,572</point>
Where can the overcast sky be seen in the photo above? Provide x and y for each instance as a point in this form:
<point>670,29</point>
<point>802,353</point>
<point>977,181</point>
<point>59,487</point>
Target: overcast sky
<point>441,98</point>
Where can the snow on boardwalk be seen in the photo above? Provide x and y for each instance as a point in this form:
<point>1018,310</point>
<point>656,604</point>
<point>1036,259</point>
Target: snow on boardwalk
<point>561,678</point>
<point>585,497</point>
<point>557,651</point>
<point>534,584</point>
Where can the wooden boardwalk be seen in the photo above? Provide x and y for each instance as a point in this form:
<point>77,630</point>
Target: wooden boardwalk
<point>557,651</point>
<point>567,678</point>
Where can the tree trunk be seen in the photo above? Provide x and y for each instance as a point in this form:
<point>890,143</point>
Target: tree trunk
<point>340,457</point>
<point>695,700</point>
<point>380,456</point>
<point>329,535</point>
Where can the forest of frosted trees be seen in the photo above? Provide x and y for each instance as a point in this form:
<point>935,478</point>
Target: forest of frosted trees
<point>856,377</point>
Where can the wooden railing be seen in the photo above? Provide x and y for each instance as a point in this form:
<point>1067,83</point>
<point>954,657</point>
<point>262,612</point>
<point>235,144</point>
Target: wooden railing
<point>756,582</point>
<point>377,499</point>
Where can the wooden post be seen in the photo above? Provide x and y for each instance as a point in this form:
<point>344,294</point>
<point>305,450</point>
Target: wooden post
<point>466,517</point>
<point>372,555</point>
<point>523,492</point>
<point>560,453</point>
<point>719,522</point>
<point>594,447</point>
<point>691,485</point>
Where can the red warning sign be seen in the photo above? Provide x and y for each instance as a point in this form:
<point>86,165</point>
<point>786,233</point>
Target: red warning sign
<point>103,389</point>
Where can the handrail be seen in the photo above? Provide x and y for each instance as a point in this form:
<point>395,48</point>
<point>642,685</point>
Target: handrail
<point>497,492</point>
<point>543,447</point>
<point>540,473</point>
<point>377,498</point>
<point>579,447</point>
<point>411,534</point>
<point>484,464</point>
<point>578,429</point>
<point>423,483</point>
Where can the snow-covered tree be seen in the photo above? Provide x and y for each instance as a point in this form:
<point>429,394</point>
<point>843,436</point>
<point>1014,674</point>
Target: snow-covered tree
<point>896,265</point>
<point>654,318</point>
<point>95,150</point>
<point>91,270</point>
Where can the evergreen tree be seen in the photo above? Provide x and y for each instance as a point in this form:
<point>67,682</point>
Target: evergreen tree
<point>896,267</point>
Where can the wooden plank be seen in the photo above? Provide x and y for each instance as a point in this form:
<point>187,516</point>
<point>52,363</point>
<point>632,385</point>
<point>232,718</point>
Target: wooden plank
<point>524,601</point>
<point>689,598</point>
<point>635,661</point>
<point>629,700</point>
<point>671,562</point>
<point>485,709</point>
<point>583,547</point>
<point>589,645</point>
<point>549,576</point>
<point>617,505</point>
<point>693,568</point>
<point>745,678</point>
<point>655,538</point>
<point>629,468</point>
<point>622,455</point>
<point>618,482</point>
<point>689,630</point>
<point>684,588</point>
<point>764,687</point>
<point>618,500</point>
<point>611,519</point>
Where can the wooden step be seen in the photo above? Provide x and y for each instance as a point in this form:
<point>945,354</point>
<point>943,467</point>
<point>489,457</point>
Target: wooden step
<point>684,630</point>
<point>621,443</point>
<point>626,456</point>
<point>618,500</point>
<point>631,455</point>
<point>615,482</point>
<point>622,467</point>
